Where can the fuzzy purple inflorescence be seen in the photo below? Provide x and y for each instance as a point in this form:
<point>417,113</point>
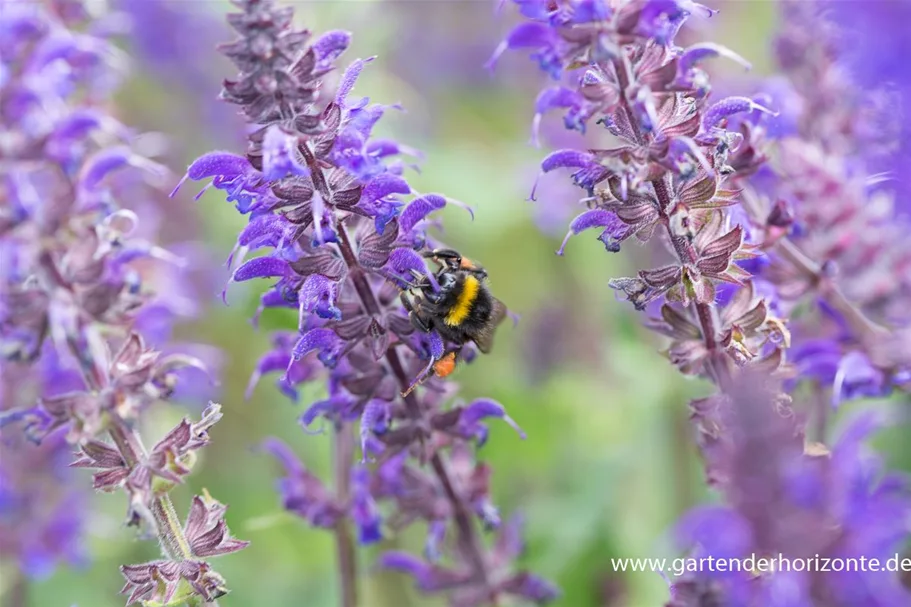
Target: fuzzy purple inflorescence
<point>42,504</point>
<point>801,501</point>
<point>834,230</point>
<point>748,245</point>
<point>667,172</point>
<point>344,233</point>
<point>78,272</point>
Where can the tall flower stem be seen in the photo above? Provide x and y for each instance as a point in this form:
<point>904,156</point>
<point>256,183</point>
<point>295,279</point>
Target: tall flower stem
<point>468,538</point>
<point>18,591</point>
<point>343,458</point>
<point>167,523</point>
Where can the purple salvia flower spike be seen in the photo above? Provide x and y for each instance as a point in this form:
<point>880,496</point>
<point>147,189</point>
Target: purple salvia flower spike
<point>678,166</point>
<point>352,235</point>
<point>77,333</point>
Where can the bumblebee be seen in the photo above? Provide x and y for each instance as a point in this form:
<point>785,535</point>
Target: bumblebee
<point>463,310</point>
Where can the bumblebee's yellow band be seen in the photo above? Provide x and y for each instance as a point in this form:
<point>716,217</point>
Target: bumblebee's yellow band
<point>462,307</point>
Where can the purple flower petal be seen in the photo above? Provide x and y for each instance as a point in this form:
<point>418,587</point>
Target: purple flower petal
<point>223,164</point>
<point>418,209</point>
<point>857,377</point>
<point>383,185</point>
<point>349,78</point>
<point>374,419</point>
<point>280,156</point>
<point>728,107</point>
<point>469,420</point>
<point>614,229</point>
<point>321,408</point>
<point>553,98</point>
<point>263,231</point>
<point>325,341</point>
<point>562,159</point>
<point>261,267</point>
<point>331,45</point>
<point>707,50</point>
<point>402,261</point>
<point>318,295</point>
<point>364,512</point>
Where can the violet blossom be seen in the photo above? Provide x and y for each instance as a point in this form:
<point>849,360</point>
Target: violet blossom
<point>800,500</point>
<point>343,232</point>
<point>832,225</point>
<point>78,269</point>
<point>674,168</point>
<point>666,173</point>
<point>42,503</point>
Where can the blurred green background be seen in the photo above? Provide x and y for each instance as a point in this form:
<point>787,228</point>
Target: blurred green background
<point>609,463</point>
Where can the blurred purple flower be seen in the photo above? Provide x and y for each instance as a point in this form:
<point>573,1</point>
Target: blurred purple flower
<point>872,45</point>
<point>77,270</point>
<point>800,502</point>
<point>175,41</point>
<point>834,232</point>
<point>42,506</point>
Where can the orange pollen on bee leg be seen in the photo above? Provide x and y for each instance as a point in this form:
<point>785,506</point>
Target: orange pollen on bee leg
<point>462,307</point>
<point>467,264</point>
<point>445,366</point>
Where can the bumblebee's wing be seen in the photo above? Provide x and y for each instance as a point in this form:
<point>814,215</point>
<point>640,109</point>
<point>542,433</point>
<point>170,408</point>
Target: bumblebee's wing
<point>484,337</point>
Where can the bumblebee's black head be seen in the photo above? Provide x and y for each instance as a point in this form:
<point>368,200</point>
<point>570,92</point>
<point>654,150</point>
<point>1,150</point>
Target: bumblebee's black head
<point>452,261</point>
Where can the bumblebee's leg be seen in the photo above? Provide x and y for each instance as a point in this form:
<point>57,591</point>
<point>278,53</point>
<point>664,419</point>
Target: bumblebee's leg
<point>421,378</point>
<point>442,367</point>
<point>406,301</point>
<point>420,323</point>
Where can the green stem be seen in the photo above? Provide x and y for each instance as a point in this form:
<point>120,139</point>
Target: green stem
<point>169,531</point>
<point>343,448</point>
<point>18,591</point>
